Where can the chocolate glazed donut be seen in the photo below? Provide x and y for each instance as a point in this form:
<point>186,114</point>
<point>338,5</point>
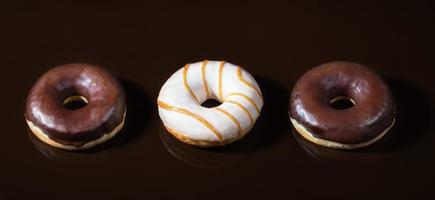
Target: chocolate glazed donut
<point>100,118</point>
<point>368,118</point>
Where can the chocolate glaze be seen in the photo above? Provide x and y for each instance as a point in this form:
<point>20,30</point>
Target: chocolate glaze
<point>310,103</point>
<point>103,112</point>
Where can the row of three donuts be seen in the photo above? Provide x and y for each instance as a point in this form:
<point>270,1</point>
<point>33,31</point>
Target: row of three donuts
<point>184,117</point>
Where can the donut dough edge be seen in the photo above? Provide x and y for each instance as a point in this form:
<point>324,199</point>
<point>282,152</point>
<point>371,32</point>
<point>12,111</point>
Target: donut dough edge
<point>105,137</point>
<point>336,145</point>
<point>202,143</point>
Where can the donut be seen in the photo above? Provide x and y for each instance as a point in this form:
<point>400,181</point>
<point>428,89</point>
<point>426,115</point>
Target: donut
<point>100,117</point>
<point>367,119</point>
<point>181,97</point>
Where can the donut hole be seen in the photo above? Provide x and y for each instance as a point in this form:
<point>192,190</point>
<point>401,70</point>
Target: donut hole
<point>211,103</point>
<point>342,102</point>
<point>75,102</point>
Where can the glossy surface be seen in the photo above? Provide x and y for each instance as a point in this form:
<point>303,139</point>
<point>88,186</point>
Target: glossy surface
<point>102,92</point>
<point>144,42</point>
<point>372,113</point>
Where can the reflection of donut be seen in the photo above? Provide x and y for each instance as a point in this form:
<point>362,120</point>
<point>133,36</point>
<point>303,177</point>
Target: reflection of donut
<point>317,151</point>
<point>98,120</point>
<point>323,153</point>
<point>363,123</point>
<point>210,158</point>
<point>47,150</point>
<point>183,93</point>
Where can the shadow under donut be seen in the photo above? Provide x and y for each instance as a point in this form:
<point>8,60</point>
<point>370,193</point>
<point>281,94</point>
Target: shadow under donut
<point>413,115</point>
<point>274,121</point>
<point>212,157</point>
<point>140,110</point>
<point>138,116</point>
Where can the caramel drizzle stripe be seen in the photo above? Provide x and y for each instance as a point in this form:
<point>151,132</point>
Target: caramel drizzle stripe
<point>251,119</point>
<point>186,85</point>
<point>204,82</point>
<point>166,106</point>
<point>229,115</point>
<point>247,98</point>
<point>239,74</point>
<point>221,67</point>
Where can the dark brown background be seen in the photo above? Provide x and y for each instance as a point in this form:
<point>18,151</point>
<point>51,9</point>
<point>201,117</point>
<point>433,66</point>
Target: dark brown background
<point>144,43</point>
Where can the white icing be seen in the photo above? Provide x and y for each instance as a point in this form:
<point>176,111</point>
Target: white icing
<point>175,94</point>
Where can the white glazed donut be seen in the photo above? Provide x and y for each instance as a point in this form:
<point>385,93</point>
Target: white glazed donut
<point>183,93</point>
